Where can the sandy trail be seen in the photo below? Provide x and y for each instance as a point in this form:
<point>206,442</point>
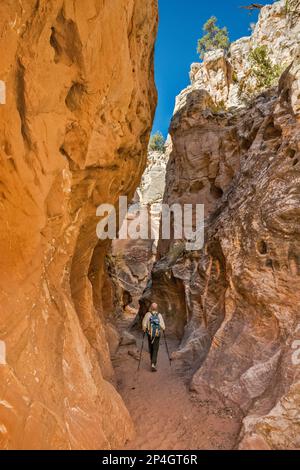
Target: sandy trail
<point>166,415</point>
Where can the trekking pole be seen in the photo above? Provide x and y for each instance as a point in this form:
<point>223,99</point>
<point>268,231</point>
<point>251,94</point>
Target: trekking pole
<point>141,352</point>
<point>170,360</point>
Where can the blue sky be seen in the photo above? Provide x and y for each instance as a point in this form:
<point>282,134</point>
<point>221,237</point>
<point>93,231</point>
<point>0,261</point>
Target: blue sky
<point>180,27</point>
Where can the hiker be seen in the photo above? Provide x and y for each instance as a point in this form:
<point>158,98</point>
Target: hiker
<point>153,323</point>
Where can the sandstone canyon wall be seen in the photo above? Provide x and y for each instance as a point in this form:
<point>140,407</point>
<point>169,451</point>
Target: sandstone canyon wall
<point>80,99</point>
<point>235,304</point>
<point>131,261</point>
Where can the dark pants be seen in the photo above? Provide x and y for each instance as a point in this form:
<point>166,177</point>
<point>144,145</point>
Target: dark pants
<point>153,349</point>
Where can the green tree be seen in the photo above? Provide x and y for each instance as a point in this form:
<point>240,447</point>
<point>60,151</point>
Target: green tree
<point>213,38</point>
<point>157,142</point>
<point>266,73</point>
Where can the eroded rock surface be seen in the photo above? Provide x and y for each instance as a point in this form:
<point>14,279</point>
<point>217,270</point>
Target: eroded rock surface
<point>235,304</point>
<point>131,260</point>
<point>228,77</point>
<point>80,99</point>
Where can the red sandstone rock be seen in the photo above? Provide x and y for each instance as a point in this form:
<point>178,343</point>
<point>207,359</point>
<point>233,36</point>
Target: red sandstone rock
<point>235,304</point>
<point>80,98</point>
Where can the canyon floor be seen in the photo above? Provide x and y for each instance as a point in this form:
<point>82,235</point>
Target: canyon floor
<point>166,415</point>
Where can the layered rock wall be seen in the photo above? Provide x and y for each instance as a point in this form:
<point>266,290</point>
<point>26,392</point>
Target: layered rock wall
<point>80,99</point>
<point>229,77</point>
<point>235,304</point>
<point>131,260</point>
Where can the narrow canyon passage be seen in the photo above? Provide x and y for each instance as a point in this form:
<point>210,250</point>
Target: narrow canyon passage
<point>94,196</point>
<point>166,415</point>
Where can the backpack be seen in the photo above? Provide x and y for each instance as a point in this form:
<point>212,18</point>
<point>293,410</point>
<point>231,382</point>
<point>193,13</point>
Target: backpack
<point>154,325</point>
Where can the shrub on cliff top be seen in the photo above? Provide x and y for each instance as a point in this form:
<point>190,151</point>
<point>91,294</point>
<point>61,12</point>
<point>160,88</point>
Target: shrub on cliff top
<point>213,39</point>
<point>157,142</point>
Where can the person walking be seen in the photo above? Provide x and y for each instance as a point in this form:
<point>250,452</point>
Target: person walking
<point>153,324</point>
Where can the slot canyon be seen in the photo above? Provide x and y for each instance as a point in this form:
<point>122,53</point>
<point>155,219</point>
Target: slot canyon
<point>77,104</point>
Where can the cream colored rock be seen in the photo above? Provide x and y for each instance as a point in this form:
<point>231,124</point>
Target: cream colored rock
<point>132,260</point>
<point>2,92</point>
<point>195,67</point>
<point>228,78</point>
<point>280,428</point>
<point>80,99</point>
<point>279,29</point>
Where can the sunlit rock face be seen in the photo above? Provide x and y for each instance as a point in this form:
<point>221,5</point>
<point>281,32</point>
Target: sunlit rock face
<point>132,259</point>
<point>80,98</point>
<point>235,304</point>
<point>227,77</point>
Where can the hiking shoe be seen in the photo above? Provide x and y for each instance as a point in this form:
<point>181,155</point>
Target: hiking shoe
<point>153,368</point>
